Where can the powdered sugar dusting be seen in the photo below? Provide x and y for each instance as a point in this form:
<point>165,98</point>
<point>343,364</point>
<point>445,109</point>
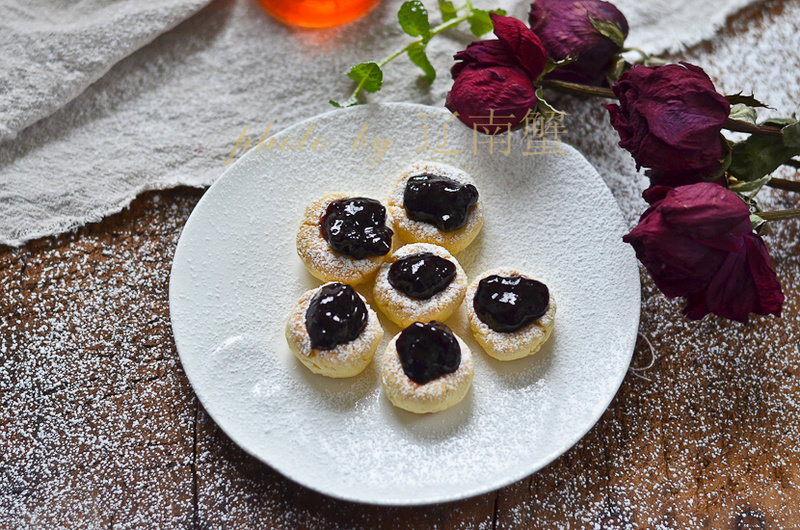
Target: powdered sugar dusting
<point>230,252</point>
<point>404,309</point>
<point>515,344</point>
<point>419,231</point>
<point>344,358</point>
<point>321,260</point>
<point>400,388</point>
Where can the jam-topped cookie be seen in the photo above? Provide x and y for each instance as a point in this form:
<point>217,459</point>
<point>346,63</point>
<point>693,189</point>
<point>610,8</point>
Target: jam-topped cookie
<point>436,203</point>
<point>344,238</point>
<point>510,313</point>
<point>426,368</point>
<point>333,331</point>
<point>419,282</point>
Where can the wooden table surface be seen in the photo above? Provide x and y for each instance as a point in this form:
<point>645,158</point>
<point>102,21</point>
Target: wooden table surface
<point>99,426</point>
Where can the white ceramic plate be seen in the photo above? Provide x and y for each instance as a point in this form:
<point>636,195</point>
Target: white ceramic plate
<point>236,276</point>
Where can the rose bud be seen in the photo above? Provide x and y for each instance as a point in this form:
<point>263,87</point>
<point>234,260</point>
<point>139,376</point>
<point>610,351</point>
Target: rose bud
<point>697,242</point>
<point>506,91</point>
<point>495,77</point>
<point>669,118</point>
<point>566,30</point>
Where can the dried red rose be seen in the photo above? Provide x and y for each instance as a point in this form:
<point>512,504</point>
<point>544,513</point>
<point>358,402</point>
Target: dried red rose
<point>495,77</point>
<point>566,30</point>
<point>697,242</point>
<point>669,118</point>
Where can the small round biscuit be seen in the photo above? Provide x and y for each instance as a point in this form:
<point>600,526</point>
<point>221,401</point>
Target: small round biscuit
<point>433,396</point>
<point>507,346</point>
<point>404,310</point>
<point>345,360</point>
<point>320,259</point>
<point>421,232</point>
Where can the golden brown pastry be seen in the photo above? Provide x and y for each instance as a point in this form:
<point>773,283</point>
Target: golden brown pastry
<point>426,368</point>
<point>513,315</point>
<point>352,263</point>
<point>333,331</point>
<point>442,206</point>
<point>419,282</point>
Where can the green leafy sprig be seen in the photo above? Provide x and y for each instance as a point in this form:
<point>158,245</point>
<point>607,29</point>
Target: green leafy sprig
<point>413,18</point>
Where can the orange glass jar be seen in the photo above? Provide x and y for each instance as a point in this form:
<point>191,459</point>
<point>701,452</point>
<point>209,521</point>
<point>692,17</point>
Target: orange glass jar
<point>317,13</point>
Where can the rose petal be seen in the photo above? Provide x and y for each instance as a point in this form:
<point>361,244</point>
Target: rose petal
<point>522,43</point>
<point>482,54</point>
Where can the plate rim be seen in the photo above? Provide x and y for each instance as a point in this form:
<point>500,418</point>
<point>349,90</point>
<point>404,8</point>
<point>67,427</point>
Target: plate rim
<point>465,494</point>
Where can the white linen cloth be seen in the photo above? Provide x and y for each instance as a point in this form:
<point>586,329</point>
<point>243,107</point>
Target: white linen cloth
<point>87,123</point>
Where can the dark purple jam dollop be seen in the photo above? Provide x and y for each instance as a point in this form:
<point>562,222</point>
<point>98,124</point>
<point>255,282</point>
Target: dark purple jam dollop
<point>441,201</point>
<point>336,315</point>
<point>506,303</point>
<point>357,227</point>
<point>428,351</point>
<point>422,275</point>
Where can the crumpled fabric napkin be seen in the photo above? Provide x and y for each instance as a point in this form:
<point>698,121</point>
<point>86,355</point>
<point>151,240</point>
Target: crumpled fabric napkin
<point>170,113</point>
<point>51,51</point>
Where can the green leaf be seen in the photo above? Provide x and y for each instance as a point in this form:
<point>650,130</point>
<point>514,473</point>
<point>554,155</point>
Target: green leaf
<point>743,112</point>
<point>779,122</point>
<point>750,101</point>
<point>551,65</point>
<point>369,75</point>
<point>349,103</point>
<point>480,22</point>
<point>618,66</point>
<point>417,55</point>
<point>759,155</point>
<point>448,10</point>
<point>757,222</point>
<point>543,107</point>
<point>724,161</point>
<point>791,135</point>
<point>750,188</point>
<point>609,30</point>
<point>413,19</point>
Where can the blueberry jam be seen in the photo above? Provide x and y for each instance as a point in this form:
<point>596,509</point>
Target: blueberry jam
<point>422,275</point>
<point>506,303</point>
<point>336,315</point>
<point>428,351</point>
<point>441,201</point>
<point>357,227</point>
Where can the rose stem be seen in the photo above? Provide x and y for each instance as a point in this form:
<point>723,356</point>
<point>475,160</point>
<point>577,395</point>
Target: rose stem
<point>747,127</point>
<point>779,214</point>
<point>784,184</point>
<point>577,88</point>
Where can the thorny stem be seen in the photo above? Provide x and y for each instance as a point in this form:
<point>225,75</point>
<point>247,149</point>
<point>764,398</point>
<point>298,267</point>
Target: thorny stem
<point>577,88</point>
<point>780,214</point>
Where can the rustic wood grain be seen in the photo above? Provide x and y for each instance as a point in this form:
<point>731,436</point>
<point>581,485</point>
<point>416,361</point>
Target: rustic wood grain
<point>100,428</point>
<point>710,439</point>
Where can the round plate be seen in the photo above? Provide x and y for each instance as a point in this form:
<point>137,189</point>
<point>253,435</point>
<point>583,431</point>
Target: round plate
<point>236,276</point>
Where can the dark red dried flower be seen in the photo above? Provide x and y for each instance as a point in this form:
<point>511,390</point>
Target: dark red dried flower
<point>566,30</point>
<point>697,242</point>
<point>495,77</point>
<point>669,118</point>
